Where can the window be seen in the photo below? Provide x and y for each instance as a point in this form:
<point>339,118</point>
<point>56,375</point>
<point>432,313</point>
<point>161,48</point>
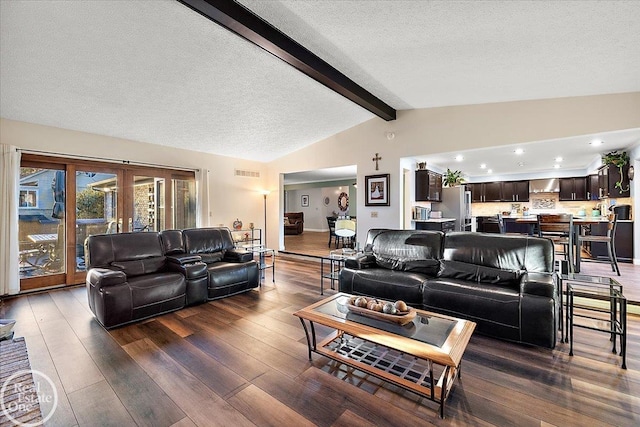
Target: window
<point>28,199</point>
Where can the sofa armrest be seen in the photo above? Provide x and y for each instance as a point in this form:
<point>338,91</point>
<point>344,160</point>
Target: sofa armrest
<point>237,255</point>
<point>360,262</point>
<point>102,277</point>
<point>540,284</point>
<point>194,270</point>
<point>183,259</point>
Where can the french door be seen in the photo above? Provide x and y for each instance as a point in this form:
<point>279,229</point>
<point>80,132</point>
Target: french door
<point>63,201</point>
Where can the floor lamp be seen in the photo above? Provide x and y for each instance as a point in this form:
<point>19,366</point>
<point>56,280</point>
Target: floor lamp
<point>265,194</point>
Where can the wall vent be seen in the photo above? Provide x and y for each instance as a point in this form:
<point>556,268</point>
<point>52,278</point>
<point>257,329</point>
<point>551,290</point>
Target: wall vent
<point>248,174</point>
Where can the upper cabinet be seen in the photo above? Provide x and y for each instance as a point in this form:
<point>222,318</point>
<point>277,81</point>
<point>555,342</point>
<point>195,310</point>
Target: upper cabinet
<point>510,191</point>
<point>608,177</point>
<point>573,189</point>
<point>486,191</point>
<point>515,191</point>
<point>428,186</point>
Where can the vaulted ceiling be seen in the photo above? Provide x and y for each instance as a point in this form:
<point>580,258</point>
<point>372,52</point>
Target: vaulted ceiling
<point>156,71</point>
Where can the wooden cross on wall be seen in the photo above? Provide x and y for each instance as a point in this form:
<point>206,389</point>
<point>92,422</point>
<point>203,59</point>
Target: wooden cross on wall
<point>375,159</point>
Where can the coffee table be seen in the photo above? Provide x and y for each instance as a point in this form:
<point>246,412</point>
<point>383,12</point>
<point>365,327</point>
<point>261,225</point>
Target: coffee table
<point>423,356</point>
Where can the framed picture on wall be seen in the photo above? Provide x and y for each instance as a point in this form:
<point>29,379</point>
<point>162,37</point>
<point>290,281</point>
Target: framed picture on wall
<point>304,201</point>
<point>377,188</point>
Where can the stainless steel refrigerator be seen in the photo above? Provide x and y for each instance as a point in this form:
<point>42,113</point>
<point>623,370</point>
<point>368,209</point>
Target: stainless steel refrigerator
<point>456,203</point>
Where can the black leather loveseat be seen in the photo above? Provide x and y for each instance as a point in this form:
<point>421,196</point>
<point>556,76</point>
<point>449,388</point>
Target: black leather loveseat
<point>133,276</point>
<point>503,283</point>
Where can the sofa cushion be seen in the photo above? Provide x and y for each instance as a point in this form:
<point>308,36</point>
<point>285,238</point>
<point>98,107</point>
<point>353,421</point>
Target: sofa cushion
<point>157,288</point>
<point>385,284</point>
<point>500,251</point>
<point>207,240</point>
<point>172,241</point>
<point>487,304</point>
<point>408,250</point>
<point>479,274</point>
<point>141,266</point>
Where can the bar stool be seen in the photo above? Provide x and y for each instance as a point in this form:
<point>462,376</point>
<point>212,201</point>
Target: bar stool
<point>609,239</point>
<point>559,229</point>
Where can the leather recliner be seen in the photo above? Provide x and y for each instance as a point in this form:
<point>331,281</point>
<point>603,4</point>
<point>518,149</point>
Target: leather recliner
<point>230,270</point>
<point>505,284</point>
<point>133,276</point>
<point>128,278</point>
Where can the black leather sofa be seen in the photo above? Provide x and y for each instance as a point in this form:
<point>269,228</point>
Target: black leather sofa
<point>133,276</point>
<point>230,271</point>
<point>503,283</point>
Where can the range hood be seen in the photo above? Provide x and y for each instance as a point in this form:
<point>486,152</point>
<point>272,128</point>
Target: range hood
<point>549,185</point>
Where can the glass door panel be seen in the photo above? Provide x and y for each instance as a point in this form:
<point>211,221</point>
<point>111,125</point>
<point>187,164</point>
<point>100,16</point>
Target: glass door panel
<point>183,204</point>
<point>148,204</point>
<point>41,225</point>
<point>96,208</point>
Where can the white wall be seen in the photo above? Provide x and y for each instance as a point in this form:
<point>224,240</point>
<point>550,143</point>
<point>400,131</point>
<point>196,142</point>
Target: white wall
<point>436,130</point>
<point>417,132</point>
<point>315,215</point>
<point>231,197</point>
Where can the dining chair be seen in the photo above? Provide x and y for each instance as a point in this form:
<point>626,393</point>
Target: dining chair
<point>609,239</point>
<point>559,229</point>
<point>331,222</point>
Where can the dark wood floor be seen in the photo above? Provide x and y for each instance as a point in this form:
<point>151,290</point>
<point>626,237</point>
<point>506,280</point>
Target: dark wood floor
<point>243,361</point>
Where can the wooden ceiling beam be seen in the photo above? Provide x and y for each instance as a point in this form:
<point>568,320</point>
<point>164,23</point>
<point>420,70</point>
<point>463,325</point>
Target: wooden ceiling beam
<point>240,20</point>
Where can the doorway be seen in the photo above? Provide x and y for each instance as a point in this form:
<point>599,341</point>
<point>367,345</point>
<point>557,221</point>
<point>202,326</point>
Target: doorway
<point>316,196</point>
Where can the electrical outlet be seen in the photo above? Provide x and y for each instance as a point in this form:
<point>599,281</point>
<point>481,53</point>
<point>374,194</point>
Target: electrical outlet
<point>374,214</point>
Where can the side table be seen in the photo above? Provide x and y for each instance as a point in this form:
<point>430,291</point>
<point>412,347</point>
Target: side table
<point>263,253</point>
<point>336,262</point>
<point>597,289</point>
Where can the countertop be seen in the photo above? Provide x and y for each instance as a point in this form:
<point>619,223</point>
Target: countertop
<point>599,218</point>
<point>435,220</point>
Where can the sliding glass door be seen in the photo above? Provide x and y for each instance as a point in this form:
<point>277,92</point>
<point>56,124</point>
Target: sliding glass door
<point>96,207</point>
<point>41,225</point>
<point>63,201</point>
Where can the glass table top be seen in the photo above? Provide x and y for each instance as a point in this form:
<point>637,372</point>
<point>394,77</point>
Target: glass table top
<point>429,329</point>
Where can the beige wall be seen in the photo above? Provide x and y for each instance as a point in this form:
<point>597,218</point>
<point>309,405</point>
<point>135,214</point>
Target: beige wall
<point>434,130</point>
<point>417,132</point>
<point>231,197</point>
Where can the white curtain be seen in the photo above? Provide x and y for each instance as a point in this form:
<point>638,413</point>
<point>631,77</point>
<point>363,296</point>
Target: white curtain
<point>9,187</point>
<point>203,209</point>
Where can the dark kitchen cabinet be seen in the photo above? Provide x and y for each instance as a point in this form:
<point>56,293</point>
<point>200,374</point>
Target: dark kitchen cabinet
<point>593,187</point>
<point>573,189</point>
<point>443,226</point>
<point>623,241</point>
<point>486,192</point>
<point>428,186</point>
<point>608,176</point>
<point>515,191</point>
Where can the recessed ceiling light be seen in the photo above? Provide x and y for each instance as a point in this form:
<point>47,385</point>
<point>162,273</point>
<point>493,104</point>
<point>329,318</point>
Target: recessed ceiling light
<point>556,166</point>
<point>483,166</point>
<point>559,159</point>
<point>518,151</point>
<point>489,170</point>
<point>596,142</point>
<point>459,158</point>
<point>521,164</point>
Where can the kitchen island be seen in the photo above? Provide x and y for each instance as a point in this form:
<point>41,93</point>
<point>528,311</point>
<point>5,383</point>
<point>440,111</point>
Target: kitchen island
<point>436,224</point>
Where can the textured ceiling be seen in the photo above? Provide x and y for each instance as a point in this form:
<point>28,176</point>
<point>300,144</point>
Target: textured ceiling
<point>157,72</point>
